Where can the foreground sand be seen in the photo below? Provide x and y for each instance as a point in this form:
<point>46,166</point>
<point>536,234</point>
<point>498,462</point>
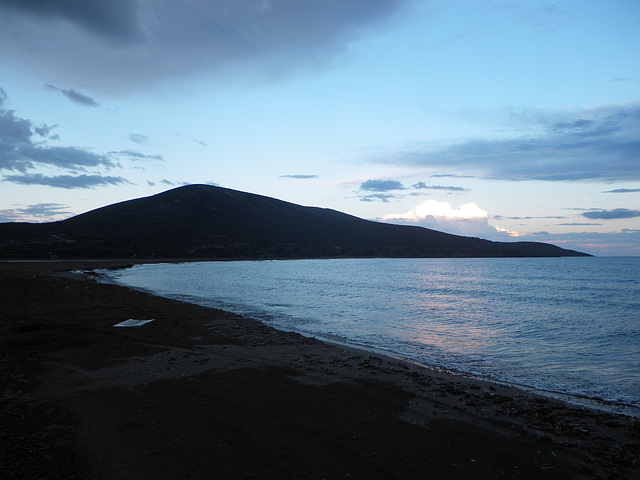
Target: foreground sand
<point>204,394</point>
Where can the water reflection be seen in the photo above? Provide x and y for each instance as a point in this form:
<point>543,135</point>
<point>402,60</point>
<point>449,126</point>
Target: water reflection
<point>533,321</point>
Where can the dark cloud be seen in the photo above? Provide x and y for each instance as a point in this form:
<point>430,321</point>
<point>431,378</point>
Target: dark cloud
<point>553,217</point>
<point>116,19</point>
<point>13,131</point>
<point>299,177</point>
<point>623,190</point>
<point>79,98</point>
<point>46,209</point>
<point>66,181</point>
<point>575,224</point>
<point>381,185</point>
<point>135,155</point>
<point>24,148</point>
<point>69,158</point>
<point>126,45</point>
<point>170,183</point>
<point>74,96</point>
<point>138,138</point>
<point>44,130</point>
<point>452,175</point>
<point>383,197</point>
<point>608,123</point>
<point>614,214</point>
<point>600,144</point>
<point>422,185</point>
<point>20,151</point>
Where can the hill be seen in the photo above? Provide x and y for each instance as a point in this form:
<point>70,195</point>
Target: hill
<point>203,221</point>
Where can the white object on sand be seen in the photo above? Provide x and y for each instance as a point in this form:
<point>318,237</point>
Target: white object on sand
<point>133,323</point>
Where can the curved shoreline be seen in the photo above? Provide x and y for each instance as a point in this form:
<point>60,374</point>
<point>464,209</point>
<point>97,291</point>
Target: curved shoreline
<point>612,404</point>
<point>200,391</point>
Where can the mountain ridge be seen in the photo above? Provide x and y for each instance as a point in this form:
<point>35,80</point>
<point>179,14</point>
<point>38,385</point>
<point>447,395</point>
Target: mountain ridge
<point>209,222</point>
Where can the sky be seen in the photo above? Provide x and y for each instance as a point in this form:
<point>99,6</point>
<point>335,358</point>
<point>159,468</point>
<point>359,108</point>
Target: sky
<point>505,120</point>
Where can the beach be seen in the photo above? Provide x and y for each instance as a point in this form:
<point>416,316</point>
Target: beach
<point>201,393</point>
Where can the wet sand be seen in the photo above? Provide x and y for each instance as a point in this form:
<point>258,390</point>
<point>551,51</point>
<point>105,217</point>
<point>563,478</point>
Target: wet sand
<point>204,394</point>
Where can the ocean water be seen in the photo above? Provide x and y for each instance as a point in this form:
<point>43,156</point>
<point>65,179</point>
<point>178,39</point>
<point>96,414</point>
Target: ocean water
<point>566,325</point>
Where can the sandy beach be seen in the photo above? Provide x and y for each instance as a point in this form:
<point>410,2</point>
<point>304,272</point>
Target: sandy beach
<point>203,394</point>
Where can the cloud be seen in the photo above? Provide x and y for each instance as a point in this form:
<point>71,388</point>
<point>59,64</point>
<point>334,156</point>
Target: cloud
<point>383,197</point>
<point>623,190</point>
<point>24,147</point>
<point>14,131</point>
<point>468,220</point>
<point>422,185</point>
<point>74,96</point>
<point>381,185</point>
<point>433,208</point>
<point>37,211</point>
<point>79,98</point>
<point>451,175</point>
<point>138,138</point>
<point>614,214</point>
<point>554,217</point>
<point>596,144</point>
<point>125,45</point>
<point>135,155</point>
<point>164,181</point>
<point>623,242</point>
<point>20,151</point>
<point>299,177</point>
<point>65,181</point>
<point>574,224</point>
<point>70,158</point>
<point>116,19</point>
<point>44,130</point>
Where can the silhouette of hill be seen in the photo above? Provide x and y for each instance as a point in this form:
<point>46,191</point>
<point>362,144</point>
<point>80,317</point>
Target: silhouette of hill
<point>203,221</point>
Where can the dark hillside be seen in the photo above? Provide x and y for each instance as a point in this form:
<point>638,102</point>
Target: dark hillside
<point>203,221</point>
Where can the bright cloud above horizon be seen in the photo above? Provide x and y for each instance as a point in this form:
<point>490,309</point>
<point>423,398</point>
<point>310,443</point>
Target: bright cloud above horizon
<point>467,219</point>
<point>515,121</point>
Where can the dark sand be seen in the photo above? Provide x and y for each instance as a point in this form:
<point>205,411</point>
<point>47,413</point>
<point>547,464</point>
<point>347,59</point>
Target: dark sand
<point>204,394</point>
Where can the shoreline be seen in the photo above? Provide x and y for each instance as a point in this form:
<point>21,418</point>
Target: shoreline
<point>581,400</point>
<point>200,391</point>
<point>615,408</point>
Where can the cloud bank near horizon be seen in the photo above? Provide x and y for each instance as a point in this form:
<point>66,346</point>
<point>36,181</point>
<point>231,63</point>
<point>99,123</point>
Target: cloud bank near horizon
<point>468,220</point>
<point>40,211</point>
<point>613,214</point>
<point>599,144</point>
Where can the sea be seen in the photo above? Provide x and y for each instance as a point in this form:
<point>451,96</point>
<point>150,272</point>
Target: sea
<point>567,325</point>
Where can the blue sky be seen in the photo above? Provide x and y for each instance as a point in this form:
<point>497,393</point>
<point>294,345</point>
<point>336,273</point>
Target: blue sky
<point>497,119</point>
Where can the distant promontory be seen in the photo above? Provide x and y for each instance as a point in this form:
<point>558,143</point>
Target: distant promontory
<point>209,222</point>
